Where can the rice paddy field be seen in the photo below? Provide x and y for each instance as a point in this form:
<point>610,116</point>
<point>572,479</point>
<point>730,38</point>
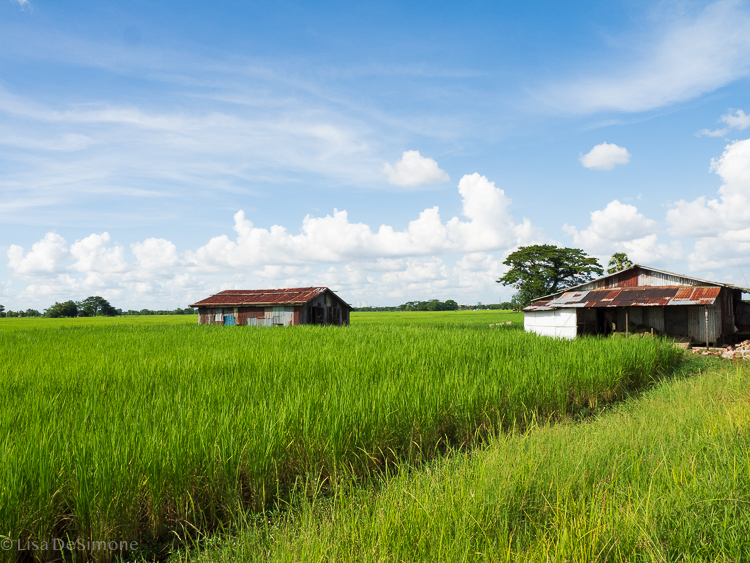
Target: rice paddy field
<point>156,430</point>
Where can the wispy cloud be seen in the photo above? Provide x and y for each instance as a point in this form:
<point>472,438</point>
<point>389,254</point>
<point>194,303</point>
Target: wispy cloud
<point>687,57</point>
<point>738,120</point>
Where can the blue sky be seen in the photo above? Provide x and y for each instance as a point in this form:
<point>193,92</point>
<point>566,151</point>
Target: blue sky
<point>157,153</point>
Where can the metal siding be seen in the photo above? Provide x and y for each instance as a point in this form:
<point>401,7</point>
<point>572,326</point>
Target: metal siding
<point>654,278</point>
<point>656,319</point>
<point>636,315</point>
<point>676,320</point>
<point>560,323</point>
<point>697,324</point>
<point>628,278</point>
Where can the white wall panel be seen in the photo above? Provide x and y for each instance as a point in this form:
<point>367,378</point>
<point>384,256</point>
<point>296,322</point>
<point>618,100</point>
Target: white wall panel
<point>558,323</point>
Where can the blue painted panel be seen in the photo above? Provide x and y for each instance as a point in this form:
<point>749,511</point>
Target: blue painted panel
<point>228,320</point>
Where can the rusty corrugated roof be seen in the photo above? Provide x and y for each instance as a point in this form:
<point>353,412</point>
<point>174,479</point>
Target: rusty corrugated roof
<point>645,296</point>
<point>636,268</point>
<point>252,297</point>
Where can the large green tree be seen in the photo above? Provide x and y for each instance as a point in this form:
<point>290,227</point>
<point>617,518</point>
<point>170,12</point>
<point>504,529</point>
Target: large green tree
<point>95,305</point>
<point>543,269</point>
<point>67,309</point>
<point>619,261</point>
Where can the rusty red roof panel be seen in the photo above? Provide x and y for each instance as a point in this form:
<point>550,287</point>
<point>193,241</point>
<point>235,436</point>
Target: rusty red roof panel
<point>238,297</point>
<point>643,296</point>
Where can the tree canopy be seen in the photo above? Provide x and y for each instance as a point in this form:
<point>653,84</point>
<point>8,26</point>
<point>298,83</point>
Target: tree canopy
<point>544,269</point>
<point>58,310</point>
<point>95,305</point>
<point>619,261</point>
<point>431,305</point>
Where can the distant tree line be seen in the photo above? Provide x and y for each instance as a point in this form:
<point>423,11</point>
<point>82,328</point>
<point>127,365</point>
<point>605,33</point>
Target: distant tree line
<point>431,305</point>
<point>437,305</point>
<point>178,311</point>
<point>94,306</point>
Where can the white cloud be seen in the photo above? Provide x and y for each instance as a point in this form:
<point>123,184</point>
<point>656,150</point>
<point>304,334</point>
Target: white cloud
<point>737,120</point>
<point>721,225</point>
<point>705,217</point>
<point>47,256</point>
<point>330,250</point>
<point>95,256</point>
<point>621,227</point>
<point>414,170</point>
<point>689,56</point>
<point>156,255</point>
<point>605,156</point>
<point>334,238</point>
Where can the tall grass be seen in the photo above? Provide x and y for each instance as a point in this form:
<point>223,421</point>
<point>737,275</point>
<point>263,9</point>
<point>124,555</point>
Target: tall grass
<point>137,430</point>
<point>663,477</point>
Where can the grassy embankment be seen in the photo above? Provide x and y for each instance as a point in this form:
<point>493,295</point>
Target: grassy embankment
<point>140,430</point>
<point>664,476</point>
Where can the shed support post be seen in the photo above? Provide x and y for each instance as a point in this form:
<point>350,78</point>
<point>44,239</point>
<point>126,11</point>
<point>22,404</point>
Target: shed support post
<point>706,310</point>
<point>627,321</point>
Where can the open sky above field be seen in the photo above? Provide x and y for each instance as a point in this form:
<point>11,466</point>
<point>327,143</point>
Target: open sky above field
<point>154,153</point>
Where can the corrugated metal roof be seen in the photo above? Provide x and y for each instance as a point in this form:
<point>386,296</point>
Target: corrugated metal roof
<point>253,297</point>
<point>647,296</point>
<point>624,277</point>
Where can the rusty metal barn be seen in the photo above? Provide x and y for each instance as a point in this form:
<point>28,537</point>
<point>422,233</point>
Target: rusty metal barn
<point>644,298</point>
<point>271,307</point>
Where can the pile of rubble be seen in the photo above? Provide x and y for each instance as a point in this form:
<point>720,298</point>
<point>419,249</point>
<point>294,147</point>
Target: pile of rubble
<point>737,352</point>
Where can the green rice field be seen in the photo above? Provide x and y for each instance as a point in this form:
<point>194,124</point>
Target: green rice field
<point>154,428</point>
<point>661,477</point>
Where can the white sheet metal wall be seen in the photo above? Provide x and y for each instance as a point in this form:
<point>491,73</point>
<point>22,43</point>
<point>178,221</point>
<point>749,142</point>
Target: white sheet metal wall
<point>558,323</point>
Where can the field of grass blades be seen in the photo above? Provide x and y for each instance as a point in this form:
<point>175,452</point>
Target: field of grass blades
<point>148,431</point>
<point>661,477</point>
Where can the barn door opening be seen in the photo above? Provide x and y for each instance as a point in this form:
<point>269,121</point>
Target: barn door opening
<point>319,315</point>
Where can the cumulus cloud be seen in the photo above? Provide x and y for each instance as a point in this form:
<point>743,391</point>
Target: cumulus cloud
<point>329,250</point>
<point>721,225</point>
<point>605,156</point>
<point>46,256</point>
<point>737,120</point>
<point>705,217</point>
<point>94,255</point>
<point>333,238</point>
<point>156,255</point>
<point>414,170</point>
<point>620,227</point>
